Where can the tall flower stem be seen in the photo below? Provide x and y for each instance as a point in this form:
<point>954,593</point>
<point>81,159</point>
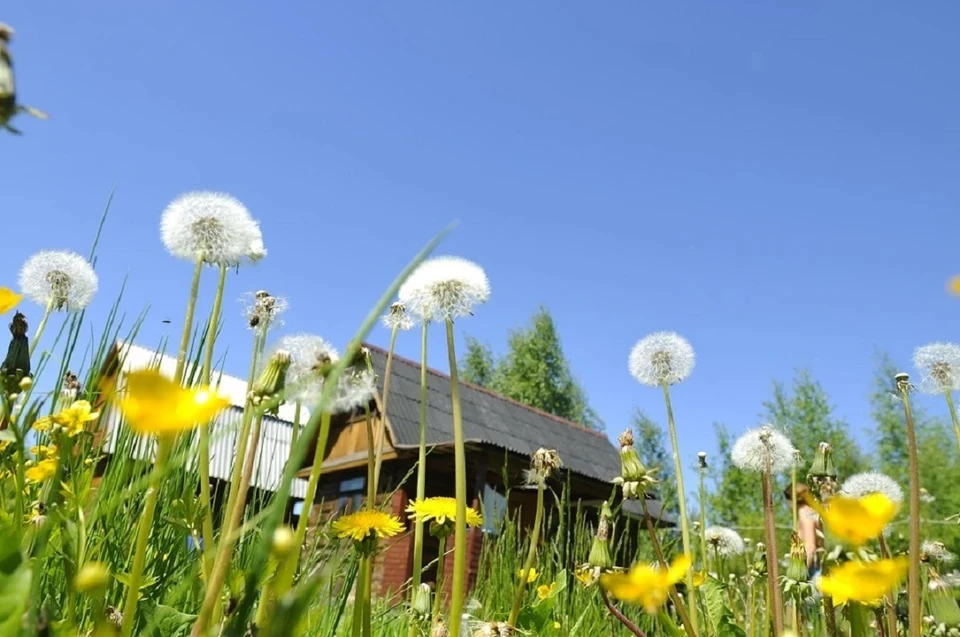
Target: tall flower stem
<point>775,600</point>
<point>531,557</point>
<point>891,601</point>
<point>164,446</point>
<point>460,466</point>
<point>913,574</point>
<point>219,571</point>
<point>953,415</point>
<point>382,424</point>
<point>421,473</point>
<point>795,508</point>
<point>295,433</point>
<point>356,626</point>
<point>41,327</point>
<point>658,551</point>
<point>204,450</point>
<point>188,321</point>
<point>681,496</point>
<point>633,628</point>
<point>366,571</point>
<point>441,554</point>
<point>703,522</point>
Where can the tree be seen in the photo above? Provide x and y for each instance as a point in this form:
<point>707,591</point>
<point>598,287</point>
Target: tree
<point>807,418</point>
<point>478,365</point>
<point>735,499</point>
<point>534,372</point>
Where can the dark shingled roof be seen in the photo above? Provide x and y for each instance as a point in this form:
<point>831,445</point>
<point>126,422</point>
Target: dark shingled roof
<point>488,418</point>
<point>492,419</point>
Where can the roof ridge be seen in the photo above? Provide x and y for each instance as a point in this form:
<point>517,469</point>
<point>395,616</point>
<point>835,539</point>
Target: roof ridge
<point>493,394</point>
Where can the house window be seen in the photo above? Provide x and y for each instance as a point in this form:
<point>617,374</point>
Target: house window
<point>351,494</point>
<point>494,509</point>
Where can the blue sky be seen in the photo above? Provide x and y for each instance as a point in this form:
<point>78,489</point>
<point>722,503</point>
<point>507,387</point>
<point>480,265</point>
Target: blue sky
<point>778,184</point>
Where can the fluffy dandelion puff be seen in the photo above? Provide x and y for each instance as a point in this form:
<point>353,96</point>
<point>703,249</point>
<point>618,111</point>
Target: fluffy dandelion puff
<point>256,250</point>
<point>445,288</point>
<point>209,225</point>
<point>862,484</point>
<point>939,365</point>
<point>355,389</point>
<point>763,449</point>
<point>936,551</point>
<point>262,310</point>
<point>309,355</point>
<point>397,317</point>
<point>661,357</point>
<point>60,277</point>
<point>724,541</point>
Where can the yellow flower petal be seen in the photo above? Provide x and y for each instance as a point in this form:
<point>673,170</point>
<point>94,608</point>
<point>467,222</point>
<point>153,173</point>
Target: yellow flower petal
<point>544,591</point>
<point>531,577</point>
<point>364,523</point>
<point>441,510</point>
<point>857,521</point>
<point>43,470</point>
<point>75,417</point>
<point>9,300</point>
<point>953,286</point>
<point>645,585</point>
<point>154,404</point>
<point>864,582</point>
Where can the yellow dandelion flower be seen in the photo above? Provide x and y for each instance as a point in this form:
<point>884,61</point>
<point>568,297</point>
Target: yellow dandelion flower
<point>953,286</point>
<point>699,577</point>
<point>9,300</point>
<point>556,625</point>
<point>75,417</point>
<point>43,424</point>
<point>365,523</point>
<point>531,577</point>
<point>587,575</point>
<point>857,520</point>
<point>864,582</point>
<point>44,451</point>
<point>42,471</point>
<point>646,585</point>
<point>154,404</point>
<point>544,591</point>
<point>441,510</point>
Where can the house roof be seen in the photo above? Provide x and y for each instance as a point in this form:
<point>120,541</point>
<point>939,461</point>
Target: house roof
<point>488,418</point>
<point>276,433</point>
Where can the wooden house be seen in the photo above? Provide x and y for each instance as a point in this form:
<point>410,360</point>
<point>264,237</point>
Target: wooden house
<point>500,434</point>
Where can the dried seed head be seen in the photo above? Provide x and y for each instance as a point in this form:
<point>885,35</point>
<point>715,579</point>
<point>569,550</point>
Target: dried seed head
<point>310,360</point>
<point>445,288</point>
<point>59,278</point>
<point>723,541</point>
<point>702,459</point>
<point>263,310</point>
<point>211,226</point>
<point>862,484</point>
<point>762,450</point>
<point>934,551</point>
<point>397,317</point>
<point>543,464</point>
<point>939,365</point>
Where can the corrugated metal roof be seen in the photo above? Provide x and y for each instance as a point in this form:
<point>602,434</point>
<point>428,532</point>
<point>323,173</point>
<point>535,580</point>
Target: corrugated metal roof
<point>275,435</point>
<point>488,418</point>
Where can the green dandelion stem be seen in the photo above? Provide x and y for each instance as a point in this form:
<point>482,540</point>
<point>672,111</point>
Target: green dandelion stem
<point>382,425</point>
<point>913,574</point>
<point>531,557</point>
<point>188,321</point>
<point>164,446</point>
<point>682,498</point>
<point>41,327</point>
<point>438,593</point>
<point>890,605</point>
<point>953,415</point>
<point>774,599</point>
<point>460,465</point>
<point>421,473</point>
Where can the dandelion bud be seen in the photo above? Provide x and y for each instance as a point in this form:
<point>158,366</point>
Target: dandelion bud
<point>93,578</point>
<point>797,570</point>
<point>284,541</point>
<point>26,383</point>
<point>600,550</point>
<point>16,365</point>
<point>702,459</point>
<point>420,604</point>
<point>631,468</point>
<point>272,379</point>
<point>822,466</point>
<point>545,463</point>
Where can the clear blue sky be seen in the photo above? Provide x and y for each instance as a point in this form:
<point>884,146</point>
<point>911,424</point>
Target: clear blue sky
<point>778,184</point>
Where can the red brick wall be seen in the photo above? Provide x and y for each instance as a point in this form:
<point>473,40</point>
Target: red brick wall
<point>394,564</point>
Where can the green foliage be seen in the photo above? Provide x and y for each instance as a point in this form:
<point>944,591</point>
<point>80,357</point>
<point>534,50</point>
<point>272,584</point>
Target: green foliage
<point>534,372</point>
<point>15,578</point>
<point>807,417</point>
<point>735,498</point>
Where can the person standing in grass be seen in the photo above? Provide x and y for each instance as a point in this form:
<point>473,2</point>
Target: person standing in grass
<point>808,521</point>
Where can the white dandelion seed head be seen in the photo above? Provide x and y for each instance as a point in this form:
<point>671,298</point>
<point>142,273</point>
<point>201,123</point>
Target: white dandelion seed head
<point>939,365</point>
<point>725,542</point>
<point>936,551</point>
<point>209,225</point>
<point>861,484</point>
<point>309,354</point>
<point>60,277</point>
<point>263,310</point>
<point>661,357</point>
<point>256,251</point>
<point>763,449</point>
<point>445,288</point>
<point>397,317</point>
<point>355,389</point>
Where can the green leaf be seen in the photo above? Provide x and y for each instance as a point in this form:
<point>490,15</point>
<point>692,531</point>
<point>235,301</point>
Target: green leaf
<point>15,577</point>
<point>164,621</point>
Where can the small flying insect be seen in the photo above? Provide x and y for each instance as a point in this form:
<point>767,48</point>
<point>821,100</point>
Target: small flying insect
<point>166,321</point>
<point>8,88</point>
